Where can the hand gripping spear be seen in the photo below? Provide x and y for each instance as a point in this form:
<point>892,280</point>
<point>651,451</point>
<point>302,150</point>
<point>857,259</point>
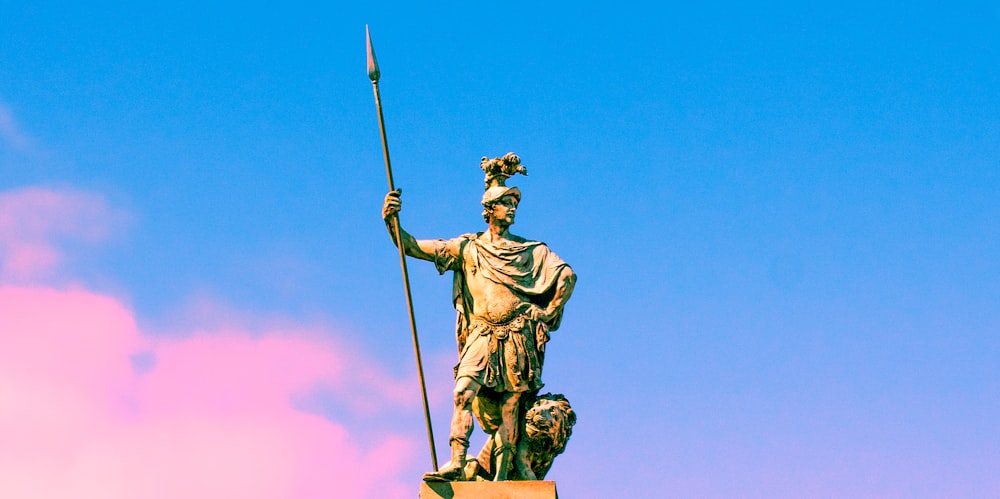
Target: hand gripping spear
<point>374,74</point>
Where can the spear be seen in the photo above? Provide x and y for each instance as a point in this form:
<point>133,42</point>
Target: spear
<point>374,75</point>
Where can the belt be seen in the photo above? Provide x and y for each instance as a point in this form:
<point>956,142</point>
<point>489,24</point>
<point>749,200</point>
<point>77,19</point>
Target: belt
<point>499,329</point>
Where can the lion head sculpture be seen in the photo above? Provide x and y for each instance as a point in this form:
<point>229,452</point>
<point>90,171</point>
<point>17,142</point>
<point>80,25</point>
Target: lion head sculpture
<point>548,424</point>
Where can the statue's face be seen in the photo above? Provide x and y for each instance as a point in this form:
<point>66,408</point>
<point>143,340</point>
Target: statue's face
<point>505,209</point>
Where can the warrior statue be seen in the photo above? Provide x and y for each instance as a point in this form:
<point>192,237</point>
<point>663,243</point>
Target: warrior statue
<point>509,293</point>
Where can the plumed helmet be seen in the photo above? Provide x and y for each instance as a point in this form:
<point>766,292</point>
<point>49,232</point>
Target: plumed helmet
<point>493,194</point>
<point>498,170</point>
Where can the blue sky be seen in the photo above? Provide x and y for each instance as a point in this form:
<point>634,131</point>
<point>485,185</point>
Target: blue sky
<point>784,217</point>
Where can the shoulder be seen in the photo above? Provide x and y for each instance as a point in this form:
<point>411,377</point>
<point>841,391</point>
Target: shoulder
<point>457,244</point>
<point>460,240</point>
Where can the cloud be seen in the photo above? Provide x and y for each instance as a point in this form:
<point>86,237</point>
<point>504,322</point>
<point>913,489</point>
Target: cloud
<point>208,415</point>
<point>34,220</point>
<point>93,406</point>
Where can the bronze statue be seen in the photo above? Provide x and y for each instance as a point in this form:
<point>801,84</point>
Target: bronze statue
<point>509,293</point>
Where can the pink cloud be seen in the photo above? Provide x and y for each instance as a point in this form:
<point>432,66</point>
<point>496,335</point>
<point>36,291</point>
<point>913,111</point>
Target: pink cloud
<point>33,220</point>
<point>210,417</point>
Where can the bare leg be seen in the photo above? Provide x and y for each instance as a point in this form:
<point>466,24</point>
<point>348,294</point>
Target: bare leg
<point>461,428</point>
<point>466,390</point>
<point>506,435</point>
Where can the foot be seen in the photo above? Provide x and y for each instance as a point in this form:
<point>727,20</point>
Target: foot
<point>450,472</point>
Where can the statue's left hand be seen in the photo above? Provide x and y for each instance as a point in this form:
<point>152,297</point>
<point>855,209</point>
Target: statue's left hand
<point>542,314</point>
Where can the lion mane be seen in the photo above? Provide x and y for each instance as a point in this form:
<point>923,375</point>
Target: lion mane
<point>548,424</point>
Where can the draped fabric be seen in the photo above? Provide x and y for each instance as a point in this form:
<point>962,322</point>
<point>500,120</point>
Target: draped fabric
<point>505,357</point>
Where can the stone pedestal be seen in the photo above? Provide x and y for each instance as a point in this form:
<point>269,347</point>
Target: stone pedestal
<point>489,490</point>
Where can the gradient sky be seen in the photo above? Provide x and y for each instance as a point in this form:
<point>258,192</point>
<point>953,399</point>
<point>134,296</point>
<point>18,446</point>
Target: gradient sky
<point>785,221</point>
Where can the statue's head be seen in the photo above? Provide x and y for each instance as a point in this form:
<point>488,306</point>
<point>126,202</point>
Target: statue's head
<point>501,203</point>
<point>498,197</point>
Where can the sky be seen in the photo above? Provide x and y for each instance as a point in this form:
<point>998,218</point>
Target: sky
<point>784,218</point>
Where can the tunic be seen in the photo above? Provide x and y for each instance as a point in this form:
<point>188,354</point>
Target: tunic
<point>503,353</point>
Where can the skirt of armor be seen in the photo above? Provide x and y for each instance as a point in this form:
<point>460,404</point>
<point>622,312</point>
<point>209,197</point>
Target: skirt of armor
<point>503,357</point>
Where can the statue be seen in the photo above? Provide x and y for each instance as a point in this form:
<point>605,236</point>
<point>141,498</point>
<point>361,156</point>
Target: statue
<point>509,293</point>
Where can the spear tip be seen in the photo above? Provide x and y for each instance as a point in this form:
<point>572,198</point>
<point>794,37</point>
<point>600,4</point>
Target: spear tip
<point>373,72</point>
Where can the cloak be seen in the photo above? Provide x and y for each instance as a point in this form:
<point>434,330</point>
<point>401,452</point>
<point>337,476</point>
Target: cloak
<point>529,268</point>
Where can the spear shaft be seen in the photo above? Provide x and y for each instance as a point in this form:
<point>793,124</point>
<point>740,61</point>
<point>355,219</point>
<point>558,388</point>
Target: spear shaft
<point>374,75</point>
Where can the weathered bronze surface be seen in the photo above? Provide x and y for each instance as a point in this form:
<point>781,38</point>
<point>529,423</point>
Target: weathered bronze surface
<point>509,293</point>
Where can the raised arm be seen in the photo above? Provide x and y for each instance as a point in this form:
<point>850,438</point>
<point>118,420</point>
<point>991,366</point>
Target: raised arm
<point>422,249</point>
